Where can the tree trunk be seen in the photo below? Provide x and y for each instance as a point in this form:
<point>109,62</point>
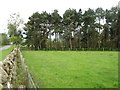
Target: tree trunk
<point>87,38</point>
<point>55,41</point>
<point>99,36</point>
<point>79,42</point>
<point>50,40</point>
<point>70,43</point>
<point>36,48</point>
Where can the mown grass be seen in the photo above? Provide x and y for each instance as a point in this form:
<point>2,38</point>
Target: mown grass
<point>4,53</point>
<point>73,69</point>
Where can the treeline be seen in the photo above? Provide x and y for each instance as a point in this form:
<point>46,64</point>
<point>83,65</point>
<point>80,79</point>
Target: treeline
<point>74,30</point>
<point>4,39</point>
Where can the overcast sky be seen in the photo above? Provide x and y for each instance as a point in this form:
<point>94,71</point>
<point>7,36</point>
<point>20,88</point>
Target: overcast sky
<point>27,7</point>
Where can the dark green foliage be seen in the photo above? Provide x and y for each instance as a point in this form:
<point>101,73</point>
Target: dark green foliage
<point>4,39</point>
<point>76,29</point>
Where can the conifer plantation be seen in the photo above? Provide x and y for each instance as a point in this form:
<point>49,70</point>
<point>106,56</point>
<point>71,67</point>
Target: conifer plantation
<point>74,30</point>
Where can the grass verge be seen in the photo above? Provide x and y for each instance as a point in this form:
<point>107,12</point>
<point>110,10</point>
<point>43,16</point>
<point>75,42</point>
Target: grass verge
<point>21,77</point>
<point>4,53</point>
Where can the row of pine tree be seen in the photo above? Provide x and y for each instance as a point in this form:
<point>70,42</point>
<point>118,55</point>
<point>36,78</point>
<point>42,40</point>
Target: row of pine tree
<point>89,29</point>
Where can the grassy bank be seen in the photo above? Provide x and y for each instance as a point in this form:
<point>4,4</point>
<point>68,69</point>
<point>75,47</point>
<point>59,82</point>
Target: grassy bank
<point>2,46</point>
<point>73,69</point>
<point>4,53</point>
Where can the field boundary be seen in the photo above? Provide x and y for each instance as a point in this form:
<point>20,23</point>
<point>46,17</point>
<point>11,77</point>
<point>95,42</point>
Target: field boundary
<point>31,83</point>
<point>8,70</point>
<point>74,49</point>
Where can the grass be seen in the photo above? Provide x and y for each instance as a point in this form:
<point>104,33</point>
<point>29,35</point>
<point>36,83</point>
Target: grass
<point>21,77</point>
<point>4,53</point>
<point>2,46</point>
<point>73,69</point>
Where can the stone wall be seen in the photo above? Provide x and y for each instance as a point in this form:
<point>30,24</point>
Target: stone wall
<point>14,72</point>
<point>8,70</point>
<point>31,83</point>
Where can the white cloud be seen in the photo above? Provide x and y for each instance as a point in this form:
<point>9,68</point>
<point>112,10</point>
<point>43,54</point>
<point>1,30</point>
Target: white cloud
<point>27,7</point>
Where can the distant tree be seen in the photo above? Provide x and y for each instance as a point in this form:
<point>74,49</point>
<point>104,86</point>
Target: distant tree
<point>73,30</point>
<point>88,21</point>
<point>78,33</point>
<point>69,20</point>
<point>100,14</point>
<point>118,30</point>
<point>14,27</point>
<point>50,29</point>
<point>111,23</point>
<point>56,24</point>
<point>4,39</point>
<point>32,28</point>
<point>37,30</point>
<point>16,40</point>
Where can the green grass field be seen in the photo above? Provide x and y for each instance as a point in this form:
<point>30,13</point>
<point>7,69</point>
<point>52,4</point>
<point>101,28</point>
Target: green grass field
<point>2,46</point>
<point>4,53</point>
<point>73,69</point>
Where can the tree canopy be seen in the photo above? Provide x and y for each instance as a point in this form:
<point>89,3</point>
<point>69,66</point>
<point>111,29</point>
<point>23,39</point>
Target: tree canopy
<point>14,28</point>
<point>4,39</point>
<point>74,30</point>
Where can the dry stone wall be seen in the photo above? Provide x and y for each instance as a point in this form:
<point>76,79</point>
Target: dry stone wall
<point>31,83</point>
<point>8,70</point>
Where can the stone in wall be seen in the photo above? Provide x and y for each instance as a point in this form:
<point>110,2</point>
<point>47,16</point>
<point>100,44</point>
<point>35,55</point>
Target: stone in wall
<point>8,70</point>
